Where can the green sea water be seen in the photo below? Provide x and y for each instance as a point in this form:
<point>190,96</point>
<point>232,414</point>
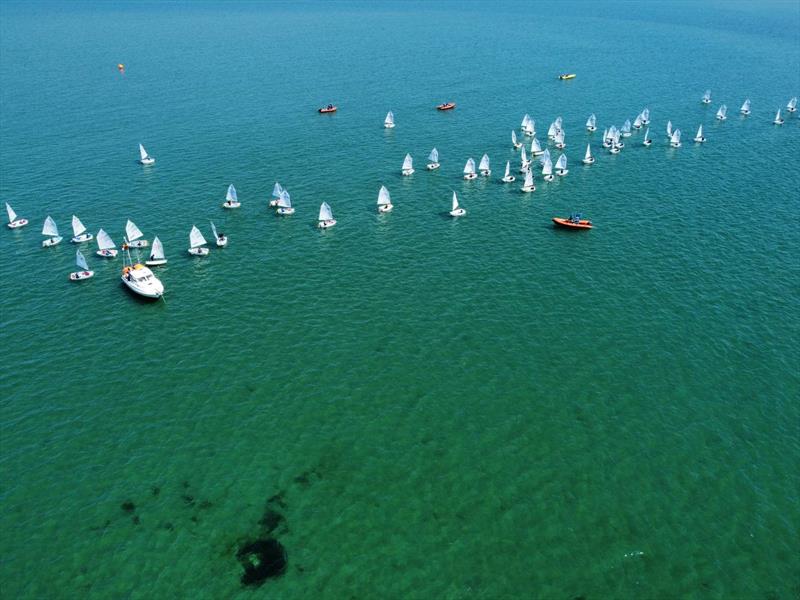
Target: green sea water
<point>416,407</point>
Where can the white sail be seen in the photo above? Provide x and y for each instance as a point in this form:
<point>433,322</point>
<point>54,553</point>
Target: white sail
<point>469,168</point>
<point>384,197</point>
<point>647,135</point>
<point>389,120</point>
<point>535,147</point>
<point>669,128</point>
<point>792,104</point>
<point>529,179</point>
<point>778,116</point>
<point>77,227</point>
<point>645,115</point>
<point>558,122</point>
<point>196,238</point>
<point>700,132</point>
<point>285,200</point>
<point>104,241</point>
<point>559,139</point>
<point>408,163</point>
<point>132,232</point>
<point>707,96</point>
<point>723,110</point>
<point>746,106</point>
<point>508,169</point>
<point>142,152</point>
<point>484,166</point>
<point>547,168</point>
<point>523,156</point>
<point>530,128</point>
<point>12,216</point>
<point>545,156</point>
<point>676,137</point>
<point>455,201</point>
<point>277,190</point>
<point>434,156</point>
<point>626,127</point>
<point>588,152</point>
<point>214,230</point>
<point>231,196</point>
<point>325,213</point>
<point>561,163</point>
<point>513,137</point>
<point>157,251</point>
<point>50,228</point>
<point>551,131</point>
<point>591,121</point>
<point>605,135</point>
<point>637,122</point>
<point>525,120</point>
<point>80,260</point>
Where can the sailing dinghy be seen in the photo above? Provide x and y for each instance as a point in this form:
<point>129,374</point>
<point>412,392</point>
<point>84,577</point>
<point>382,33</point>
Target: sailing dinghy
<point>524,162</point>
<point>51,230</point>
<point>285,204</point>
<point>591,123</point>
<point>778,119</point>
<point>547,170</point>
<point>220,238</point>
<point>388,122</point>
<point>13,221</point>
<point>456,210</point>
<point>675,139</point>
<point>105,245</point>
<point>277,190</point>
<point>514,142</point>
<point>84,272</point>
<point>528,185</point>
<point>707,97</point>
<point>408,165</point>
<point>561,166</point>
<point>197,243</point>
<point>144,157</point>
<point>588,159</point>
<point>508,177</point>
<point>791,106</point>
<point>469,170</point>
<point>722,113</point>
<point>484,166</point>
<point>434,158</point>
<point>384,200</point>
<point>231,198</point>
<point>157,256</point>
<point>647,141</point>
<point>79,233</point>
<point>699,137</point>
<point>325,219</point>
<point>132,235</point>
<point>745,110</point>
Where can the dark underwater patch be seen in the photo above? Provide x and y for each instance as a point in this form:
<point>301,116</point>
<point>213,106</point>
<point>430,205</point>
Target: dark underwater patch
<point>261,559</point>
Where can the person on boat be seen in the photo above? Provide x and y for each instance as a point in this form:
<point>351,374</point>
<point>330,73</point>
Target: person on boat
<point>330,106</point>
<point>221,236</point>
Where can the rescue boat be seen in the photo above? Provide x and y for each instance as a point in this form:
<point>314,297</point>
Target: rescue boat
<point>565,76</point>
<point>573,222</point>
<point>446,106</point>
<point>328,109</point>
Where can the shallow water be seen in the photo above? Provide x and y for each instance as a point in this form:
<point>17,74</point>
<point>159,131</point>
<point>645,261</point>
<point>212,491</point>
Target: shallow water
<point>484,407</point>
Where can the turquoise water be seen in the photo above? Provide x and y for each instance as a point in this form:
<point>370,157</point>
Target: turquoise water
<point>480,408</point>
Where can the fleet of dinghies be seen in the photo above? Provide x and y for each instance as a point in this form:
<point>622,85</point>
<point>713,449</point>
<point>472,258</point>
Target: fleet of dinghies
<point>141,280</point>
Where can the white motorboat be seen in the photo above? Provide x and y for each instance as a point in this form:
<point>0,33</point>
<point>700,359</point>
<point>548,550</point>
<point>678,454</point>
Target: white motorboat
<point>144,157</point>
<point>561,166</point>
<point>508,177</point>
<point>384,200</point>
<point>469,170</point>
<point>83,272</point>
<point>484,167</point>
<point>528,185</point>
<point>197,243</point>
<point>457,211</point>
<point>285,204</point>
<point>434,158</point>
<point>51,230</point>
<point>132,235</point>
<point>699,137</point>
<point>141,280</point>
<point>220,238</point>
<point>79,233</point>
<point>105,245</point>
<point>231,198</point>
<point>388,122</point>
<point>325,219</point>
<point>157,256</point>
<point>13,221</point>
<point>408,165</point>
<point>588,159</point>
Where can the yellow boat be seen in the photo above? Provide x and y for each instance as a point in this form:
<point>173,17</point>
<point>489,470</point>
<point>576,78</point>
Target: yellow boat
<point>567,76</point>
